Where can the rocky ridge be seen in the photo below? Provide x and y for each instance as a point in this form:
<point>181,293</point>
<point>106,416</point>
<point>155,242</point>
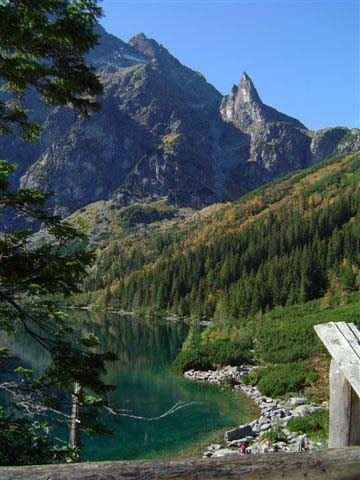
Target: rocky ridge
<point>274,415</point>
<point>163,133</point>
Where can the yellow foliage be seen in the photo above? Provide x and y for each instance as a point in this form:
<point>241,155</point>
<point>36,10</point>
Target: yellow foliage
<point>173,137</point>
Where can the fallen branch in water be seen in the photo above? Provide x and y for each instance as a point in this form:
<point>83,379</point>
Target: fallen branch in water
<point>177,406</point>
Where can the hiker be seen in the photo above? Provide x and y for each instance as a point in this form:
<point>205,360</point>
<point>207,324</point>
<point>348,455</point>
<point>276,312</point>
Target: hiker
<point>303,443</point>
<point>243,448</point>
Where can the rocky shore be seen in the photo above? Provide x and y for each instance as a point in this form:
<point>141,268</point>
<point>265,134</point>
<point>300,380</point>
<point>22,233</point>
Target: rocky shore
<point>273,419</point>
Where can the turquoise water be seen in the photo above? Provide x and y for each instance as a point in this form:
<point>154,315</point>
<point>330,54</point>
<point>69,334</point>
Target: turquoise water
<point>146,387</point>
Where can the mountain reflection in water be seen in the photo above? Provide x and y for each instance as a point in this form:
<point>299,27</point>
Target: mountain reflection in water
<point>145,386</point>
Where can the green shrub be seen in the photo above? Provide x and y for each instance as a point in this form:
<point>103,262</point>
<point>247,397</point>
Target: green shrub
<point>274,435</point>
<point>315,425</point>
<point>251,378</point>
<point>286,334</point>
<point>212,354</point>
<point>135,214</point>
<point>229,352</point>
<point>278,380</point>
<point>230,382</point>
<point>195,358</point>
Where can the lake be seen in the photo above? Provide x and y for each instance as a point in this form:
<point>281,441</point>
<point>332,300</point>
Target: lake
<point>147,387</point>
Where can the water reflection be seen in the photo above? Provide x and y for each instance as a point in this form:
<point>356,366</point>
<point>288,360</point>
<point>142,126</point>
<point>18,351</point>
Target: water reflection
<point>146,386</point>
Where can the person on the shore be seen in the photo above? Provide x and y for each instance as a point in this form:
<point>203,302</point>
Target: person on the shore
<point>243,448</point>
<point>303,443</point>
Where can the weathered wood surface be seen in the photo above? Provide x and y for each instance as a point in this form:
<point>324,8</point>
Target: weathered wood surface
<point>355,420</point>
<point>340,408</point>
<point>343,342</point>
<point>336,464</point>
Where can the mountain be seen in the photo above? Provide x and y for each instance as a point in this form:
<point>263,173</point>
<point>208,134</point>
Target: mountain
<point>288,242</point>
<point>279,143</point>
<point>263,270</point>
<point>159,135</point>
<point>163,133</point>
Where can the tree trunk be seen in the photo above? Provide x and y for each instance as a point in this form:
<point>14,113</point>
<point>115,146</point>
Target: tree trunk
<point>74,440</point>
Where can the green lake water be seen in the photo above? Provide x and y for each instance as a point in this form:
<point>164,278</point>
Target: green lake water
<point>147,387</point>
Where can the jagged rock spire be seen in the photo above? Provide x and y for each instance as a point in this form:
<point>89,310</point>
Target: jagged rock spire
<point>243,107</point>
<point>247,91</point>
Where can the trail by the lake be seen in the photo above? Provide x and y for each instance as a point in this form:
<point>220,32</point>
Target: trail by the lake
<point>274,416</point>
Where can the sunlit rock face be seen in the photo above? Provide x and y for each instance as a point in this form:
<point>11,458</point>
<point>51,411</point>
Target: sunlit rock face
<point>163,133</point>
<point>279,143</point>
<point>244,108</point>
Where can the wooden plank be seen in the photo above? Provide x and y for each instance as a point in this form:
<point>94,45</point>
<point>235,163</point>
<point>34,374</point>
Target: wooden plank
<point>334,338</point>
<point>356,332</point>
<point>340,408</point>
<point>355,420</point>
<point>352,335</point>
<point>335,464</point>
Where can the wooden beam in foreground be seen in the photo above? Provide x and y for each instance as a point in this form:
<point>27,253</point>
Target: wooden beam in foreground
<point>333,464</point>
<point>343,342</point>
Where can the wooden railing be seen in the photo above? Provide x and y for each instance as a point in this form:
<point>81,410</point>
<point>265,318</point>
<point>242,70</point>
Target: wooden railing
<point>343,343</point>
<point>332,464</point>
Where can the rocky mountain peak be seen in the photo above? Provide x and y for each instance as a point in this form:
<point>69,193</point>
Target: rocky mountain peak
<point>147,46</point>
<point>244,108</point>
<point>159,135</point>
<point>111,50</point>
<point>247,91</point>
<point>190,85</point>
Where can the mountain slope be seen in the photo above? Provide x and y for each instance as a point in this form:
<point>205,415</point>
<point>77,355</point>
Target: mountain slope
<point>163,133</point>
<point>289,242</point>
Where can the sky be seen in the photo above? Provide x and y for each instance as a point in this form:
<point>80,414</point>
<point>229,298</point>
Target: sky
<point>302,55</point>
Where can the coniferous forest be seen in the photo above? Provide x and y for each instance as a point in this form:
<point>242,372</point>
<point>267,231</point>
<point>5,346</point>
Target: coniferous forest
<point>263,269</point>
<point>151,225</point>
<point>292,241</point>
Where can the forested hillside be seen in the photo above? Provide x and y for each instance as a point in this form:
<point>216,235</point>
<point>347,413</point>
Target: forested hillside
<point>289,242</point>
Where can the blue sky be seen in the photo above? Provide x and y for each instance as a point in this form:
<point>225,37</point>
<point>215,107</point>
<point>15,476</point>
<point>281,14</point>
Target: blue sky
<point>303,55</point>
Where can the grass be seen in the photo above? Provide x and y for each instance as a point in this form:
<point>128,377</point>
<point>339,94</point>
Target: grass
<point>291,356</point>
<point>279,380</point>
<point>315,425</point>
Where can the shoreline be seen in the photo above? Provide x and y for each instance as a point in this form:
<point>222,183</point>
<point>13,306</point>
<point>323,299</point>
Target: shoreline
<point>274,413</point>
<point>169,317</point>
<point>274,417</point>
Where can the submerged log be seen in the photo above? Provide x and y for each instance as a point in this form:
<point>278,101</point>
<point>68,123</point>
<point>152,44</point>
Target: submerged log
<point>332,464</point>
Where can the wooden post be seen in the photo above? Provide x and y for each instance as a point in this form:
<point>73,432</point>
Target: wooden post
<point>74,440</point>
<point>355,419</point>
<point>340,408</point>
<point>343,342</point>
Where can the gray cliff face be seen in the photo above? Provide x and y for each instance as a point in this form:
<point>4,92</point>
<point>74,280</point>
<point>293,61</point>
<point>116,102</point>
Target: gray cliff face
<point>157,135</point>
<point>244,108</point>
<point>163,132</point>
<point>325,141</point>
<point>279,143</point>
<point>349,143</point>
